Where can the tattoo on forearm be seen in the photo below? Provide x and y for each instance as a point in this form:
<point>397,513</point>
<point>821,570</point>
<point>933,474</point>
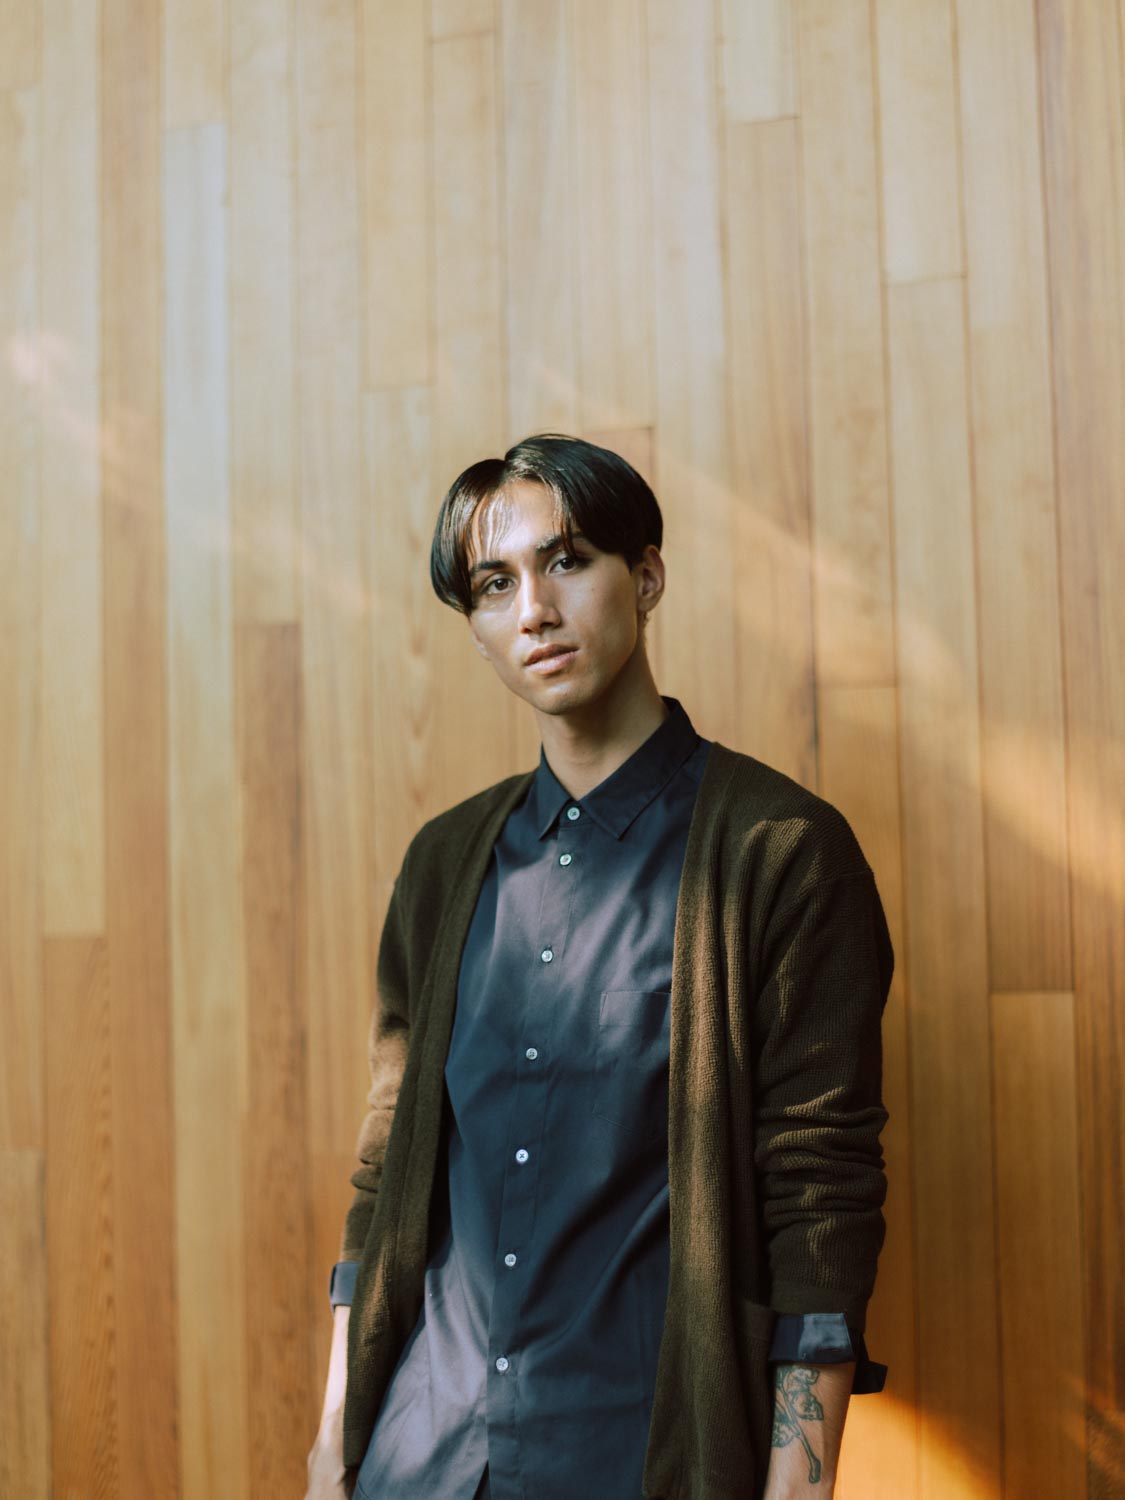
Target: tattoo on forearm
<point>796,1404</point>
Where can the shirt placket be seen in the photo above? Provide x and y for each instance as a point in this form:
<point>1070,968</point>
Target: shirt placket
<point>542,1010</point>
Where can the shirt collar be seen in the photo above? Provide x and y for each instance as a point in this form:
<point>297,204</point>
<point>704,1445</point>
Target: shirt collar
<point>626,792</point>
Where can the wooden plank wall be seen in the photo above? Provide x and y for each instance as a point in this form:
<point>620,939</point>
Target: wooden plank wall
<point>846,280</point>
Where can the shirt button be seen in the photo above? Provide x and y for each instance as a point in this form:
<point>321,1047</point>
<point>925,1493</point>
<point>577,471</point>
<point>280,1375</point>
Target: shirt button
<point>564,859</point>
<point>532,1053</point>
<point>509,1259</point>
<point>521,1154</point>
<point>547,955</point>
<point>573,812</point>
<point>501,1364</point>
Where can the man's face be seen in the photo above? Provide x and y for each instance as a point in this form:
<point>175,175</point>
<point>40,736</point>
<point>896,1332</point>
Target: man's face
<point>526,599</point>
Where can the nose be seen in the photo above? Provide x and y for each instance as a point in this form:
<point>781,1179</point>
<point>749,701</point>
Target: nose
<point>537,607</point>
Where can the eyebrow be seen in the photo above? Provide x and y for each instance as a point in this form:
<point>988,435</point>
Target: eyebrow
<point>548,544</point>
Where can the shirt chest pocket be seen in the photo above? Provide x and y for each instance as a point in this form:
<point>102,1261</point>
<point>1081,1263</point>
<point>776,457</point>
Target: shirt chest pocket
<point>631,1066</point>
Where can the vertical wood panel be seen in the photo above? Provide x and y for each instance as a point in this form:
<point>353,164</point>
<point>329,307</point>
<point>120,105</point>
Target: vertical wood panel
<point>340,768</point>
<point>25,1411</point>
<point>398,428</point>
<point>1040,1272</point>
<point>396,194</point>
<point>73,751</point>
<point>611,209</point>
<point>540,210</point>
<point>1013,456</point>
<point>847,402</point>
<point>692,444</point>
<point>859,773</point>
<point>918,135</point>
<point>461,17</point>
<point>263,280</point>
<point>136,787</point>
<point>195,61</point>
<point>770,532</point>
<point>474,716</point>
<point>943,856</point>
<point>283,1294</point>
<point>86,1429</point>
<point>757,49</point>
<point>449,225</point>
<point>19,43</point>
<point>21,1092</point>
<point>470,370</point>
<point>208,999</point>
<point>1084,146</point>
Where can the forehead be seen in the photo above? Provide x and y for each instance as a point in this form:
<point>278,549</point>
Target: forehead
<point>515,518</point>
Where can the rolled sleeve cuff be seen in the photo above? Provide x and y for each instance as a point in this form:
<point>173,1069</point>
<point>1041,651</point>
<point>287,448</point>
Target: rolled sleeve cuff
<point>341,1284</point>
<point>826,1339</point>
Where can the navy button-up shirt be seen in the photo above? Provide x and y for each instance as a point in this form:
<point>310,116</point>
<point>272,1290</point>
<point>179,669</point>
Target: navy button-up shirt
<point>536,1346</point>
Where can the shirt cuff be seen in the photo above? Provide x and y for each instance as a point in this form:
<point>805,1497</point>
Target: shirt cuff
<point>341,1284</point>
<point>826,1339</point>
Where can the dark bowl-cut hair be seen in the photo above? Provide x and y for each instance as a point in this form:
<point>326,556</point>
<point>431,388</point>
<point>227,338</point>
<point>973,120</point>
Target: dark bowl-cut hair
<point>596,492</point>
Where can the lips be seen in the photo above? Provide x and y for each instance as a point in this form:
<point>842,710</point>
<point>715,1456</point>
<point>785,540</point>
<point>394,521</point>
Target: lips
<point>546,652</point>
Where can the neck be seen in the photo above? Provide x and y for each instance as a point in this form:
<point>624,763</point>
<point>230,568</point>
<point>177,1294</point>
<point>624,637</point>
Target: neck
<point>587,745</point>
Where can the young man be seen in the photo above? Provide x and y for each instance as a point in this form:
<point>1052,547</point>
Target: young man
<point>619,1202</point>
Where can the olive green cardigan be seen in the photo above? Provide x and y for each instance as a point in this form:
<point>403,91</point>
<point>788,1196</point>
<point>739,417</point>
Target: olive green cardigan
<point>781,966</point>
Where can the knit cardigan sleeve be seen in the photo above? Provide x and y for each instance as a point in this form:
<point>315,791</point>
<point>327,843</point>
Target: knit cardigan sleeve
<point>818,1111</point>
<point>387,1043</point>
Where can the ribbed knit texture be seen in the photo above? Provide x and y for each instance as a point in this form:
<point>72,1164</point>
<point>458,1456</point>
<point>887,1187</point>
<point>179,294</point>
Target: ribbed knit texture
<point>782,965</point>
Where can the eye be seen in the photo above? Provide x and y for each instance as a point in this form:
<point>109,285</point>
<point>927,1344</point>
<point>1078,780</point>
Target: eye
<point>574,557</point>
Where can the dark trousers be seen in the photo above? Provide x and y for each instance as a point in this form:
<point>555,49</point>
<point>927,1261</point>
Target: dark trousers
<point>483,1490</point>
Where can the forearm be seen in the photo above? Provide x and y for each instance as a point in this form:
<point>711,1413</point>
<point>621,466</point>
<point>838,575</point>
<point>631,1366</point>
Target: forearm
<point>810,1404</point>
<point>332,1415</point>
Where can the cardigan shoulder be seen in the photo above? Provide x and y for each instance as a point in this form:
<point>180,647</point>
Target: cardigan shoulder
<point>752,816</point>
<point>441,841</point>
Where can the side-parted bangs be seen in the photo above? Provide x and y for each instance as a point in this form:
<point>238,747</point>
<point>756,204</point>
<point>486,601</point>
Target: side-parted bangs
<point>595,491</point>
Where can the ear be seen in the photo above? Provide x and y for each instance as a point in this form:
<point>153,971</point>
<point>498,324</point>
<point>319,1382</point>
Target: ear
<point>650,580</point>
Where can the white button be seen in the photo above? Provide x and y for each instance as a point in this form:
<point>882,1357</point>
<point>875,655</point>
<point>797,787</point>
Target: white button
<point>509,1259</point>
<point>573,812</point>
<point>521,1154</point>
<point>501,1364</point>
<point>564,859</point>
<point>546,955</point>
<point>532,1053</point>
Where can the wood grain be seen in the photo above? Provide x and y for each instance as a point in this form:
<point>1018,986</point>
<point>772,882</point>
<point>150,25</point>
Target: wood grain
<point>612,208</point>
<point>758,56</point>
<point>20,32</point>
<point>1043,1343</point>
<point>134,675</point>
<point>918,139</point>
<point>541,217</point>
<point>340,768</point>
<point>851,526</point>
<point>25,1410</point>
<point>474,717</point>
<point>691,453</point>
<point>208,973</point>
<point>845,281</point>
<point>21,542</point>
<point>70,476</point>
<point>858,754</point>
<point>1084,158</point>
<point>282,1293</point>
<point>263,282</point>
<point>769,439</point>
<point>396,195</point>
<point>85,1422</point>
<point>943,862</point>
